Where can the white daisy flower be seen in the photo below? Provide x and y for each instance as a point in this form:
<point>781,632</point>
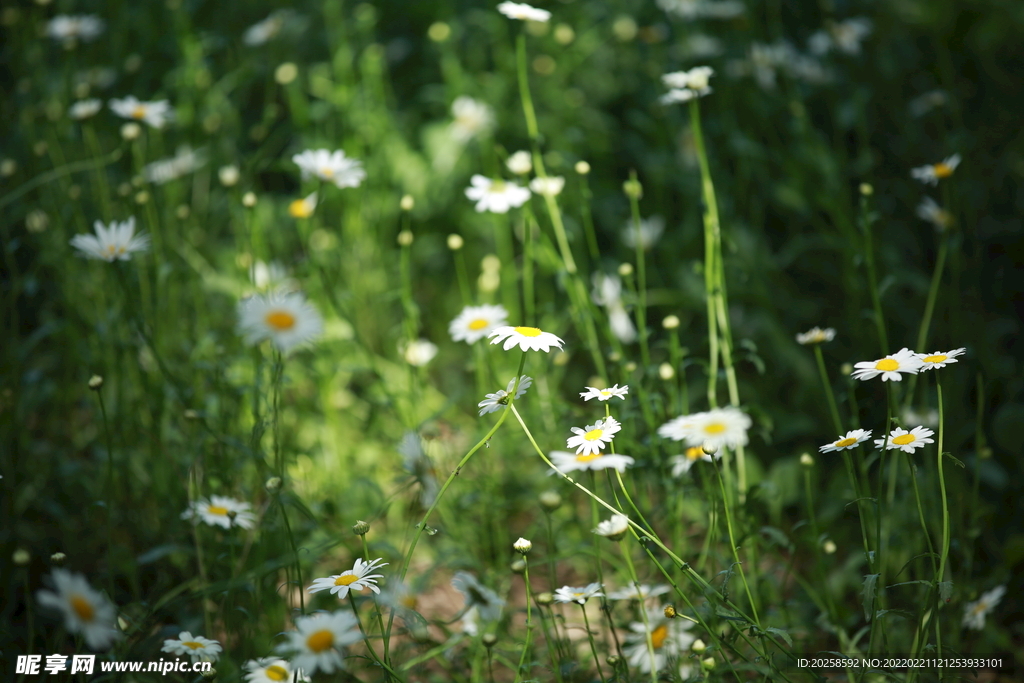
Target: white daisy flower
<point>476,322</point>
<point>975,612</point>
<point>400,597</point>
<point>486,601</point>
<point>687,85</point>
<point>907,441</point>
<point>154,114</point>
<point>591,439</point>
<point>198,649</point>
<point>681,464</point>
<point>614,528</point>
<point>526,338</point>
<point>496,196</point>
<point>670,639</point>
<point>519,162</point>
<point>651,230</point>
<point>678,96</point>
<point>703,9</point>
<point>418,352</point>
<point>929,417</point>
<point>84,109</point>
<point>85,610</point>
<point>567,594</point>
<point>931,174</point>
<point>717,427</point>
<point>641,592</point>
<point>185,161</point>
<point>116,242</point>
<point>471,119</point>
<point>608,293</point>
<point>845,36</point>
<point>889,367</point>
<point>315,643</point>
<point>605,394</point>
<point>523,12</point>
<point>548,187</point>
<point>264,31</point>
<point>852,439</point>
<point>934,361</point>
<point>499,399</point>
<point>273,670</point>
<point>332,167</point>
<point>816,335</point>
<point>303,208</point>
<point>569,462</point>
<point>929,210</point>
<point>84,27</point>
<point>221,511</point>
<point>416,463</point>
<point>357,578</point>
<point>286,319</point>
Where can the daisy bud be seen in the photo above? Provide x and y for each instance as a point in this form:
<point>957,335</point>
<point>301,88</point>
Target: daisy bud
<point>560,358</point>
<point>545,598</point>
<point>698,646</point>
<point>210,674</point>
<point>666,371</point>
<point>615,356</point>
<point>74,192</point>
<point>141,197</point>
<point>985,453</point>
<point>405,238</point>
<point>866,189</point>
<point>407,202</point>
<point>612,660</point>
<point>846,369</point>
<point>670,322</point>
<point>582,167</point>
<point>8,167</point>
<point>130,131</point>
<point>273,484</point>
<point>626,269</point>
<point>455,242</point>
<point>21,557</point>
<point>95,382</point>
<point>519,163</point>
<point>550,500</point>
<point>629,367</point>
<point>633,189</point>
<point>489,640</point>
<point>249,200</point>
<point>518,567</point>
<point>58,558</point>
<point>829,547</point>
<point>360,528</point>
<point>709,448</point>
<point>286,73</point>
<point>522,546</point>
<point>670,611</point>
<point>37,221</point>
<point>228,175</point>
<point>708,664</point>
<point>806,460</point>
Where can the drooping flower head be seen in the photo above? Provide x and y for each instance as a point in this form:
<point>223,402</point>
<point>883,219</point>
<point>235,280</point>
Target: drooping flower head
<point>357,578</point>
<point>331,167</point>
<point>286,319</point>
<point>890,367</point>
<point>852,439</point>
<point>499,399</point>
<point>613,528</point>
<point>85,610</point>
<point>116,242</point>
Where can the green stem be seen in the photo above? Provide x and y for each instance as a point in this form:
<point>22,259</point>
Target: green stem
<point>869,257</point>
<point>593,647</point>
<point>641,273</point>
<point>836,421</point>
<point>529,620</point>
<point>376,606</point>
<point>929,309</point>
<point>110,492</point>
<point>732,541</point>
<point>940,575</point>
<point>643,608</point>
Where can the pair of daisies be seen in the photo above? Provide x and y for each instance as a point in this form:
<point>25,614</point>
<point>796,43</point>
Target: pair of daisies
<point>892,367</point>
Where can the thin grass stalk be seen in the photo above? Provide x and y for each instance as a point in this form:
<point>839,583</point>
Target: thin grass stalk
<point>529,619</point>
<point>641,269</point>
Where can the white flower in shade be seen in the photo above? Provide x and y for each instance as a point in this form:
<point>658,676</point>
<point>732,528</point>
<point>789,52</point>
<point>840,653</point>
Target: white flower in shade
<point>934,361</point>
<point>303,208</point>
<point>929,210</point>
<point>605,394</point>
<point>591,439</point>
<point>416,463</point>
<point>816,335</point>
<point>931,174</point>
<point>608,293</point>
<point>687,85</point>
<point>681,464</point>
<point>264,31</point>
<point>641,592</point>
<point>548,187</point>
<point>84,27</point>
<point>315,643</point>
<point>198,649</point>
<point>469,621</point>
<point>975,612</point>
<point>418,352</point>
<point>526,338</point>
<point>703,9</point>
<point>523,12</point>
<point>331,167</point>
<point>889,367</point>
<point>651,230</point>
<point>471,119</point>
<point>486,601</point>
<point>852,439</point>
<point>568,462</point>
<point>519,162</point>
<point>185,161</point>
<point>844,36</point>
<point>286,319</point>
<point>273,670</point>
<point>717,427</point>
<point>928,417</point>
<point>567,594</point>
<point>906,441</point>
<point>116,242</point>
<point>496,196</point>
<point>670,639</point>
<point>476,322</point>
<point>614,528</point>
<point>357,578</point>
<point>499,399</point>
<point>401,598</point>
<point>221,511</point>
<point>84,109</point>
<point>86,611</point>
<point>154,114</point>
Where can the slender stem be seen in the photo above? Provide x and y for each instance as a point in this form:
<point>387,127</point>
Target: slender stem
<point>836,421</point>
<point>641,273</point>
<point>732,541</point>
<point>295,552</point>
<point>529,619</point>
<point>879,514</point>
<point>643,608</point>
<point>110,491</point>
<point>588,219</point>
<point>593,647</point>
<point>860,504</point>
<point>869,257</point>
<point>940,575</point>
<point>929,309</point>
<point>376,606</point>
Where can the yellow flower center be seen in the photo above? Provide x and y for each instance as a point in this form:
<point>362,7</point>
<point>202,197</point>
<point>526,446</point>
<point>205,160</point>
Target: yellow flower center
<point>111,248</point>
<point>843,443</point>
<point>280,320</point>
<point>942,170</point>
<point>593,435</point>
<point>193,645</point>
<point>217,510</point>
<point>276,673</point>
<point>714,428</point>
<point>139,112</point>
<point>528,331</point>
<point>935,359</point>
<point>588,457</point>
<point>694,453</point>
<point>300,208</point>
<point>478,324</point>
<point>320,641</point>
<point>346,580</point>
<point>327,172</point>
<point>658,636</point>
<point>887,365</point>
<point>980,608</point>
<point>904,439</point>
<point>82,607</point>
<point>408,601</point>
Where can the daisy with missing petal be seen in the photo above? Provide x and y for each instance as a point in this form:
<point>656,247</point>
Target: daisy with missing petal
<point>496,196</point>
<point>889,367</point>
<point>85,610</point>
<point>154,114</point>
<point>526,338</point>
<point>332,167</point>
<point>486,602</point>
<point>198,649</point>
<point>116,242</point>
<point>687,85</point>
<point>605,394</point>
<point>357,578</point>
<point>975,612</point>
<point>638,593</point>
<point>272,670</point>
<point>614,528</point>
<point>669,640</point>
<point>84,109</point>
<point>499,399</point>
<point>816,335</point>
<point>523,12</point>
<point>934,361</point>
<point>931,174</point>
<point>717,427</point>
<point>286,319</point>
<point>591,439</point>
<point>567,594</point>
<point>569,462</point>
<point>906,441</point>
<point>681,464</point>
<point>852,439</point>
<point>315,644</point>
<point>221,511</point>
<point>303,208</point>
<point>476,322</point>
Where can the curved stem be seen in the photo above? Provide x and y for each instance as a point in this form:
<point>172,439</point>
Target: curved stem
<point>945,508</point>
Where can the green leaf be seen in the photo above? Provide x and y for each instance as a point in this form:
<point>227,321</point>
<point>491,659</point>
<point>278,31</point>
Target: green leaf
<point>781,634</point>
<point>777,536</point>
<point>868,595</point>
<point>945,590</point>
<point>955,460</point>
